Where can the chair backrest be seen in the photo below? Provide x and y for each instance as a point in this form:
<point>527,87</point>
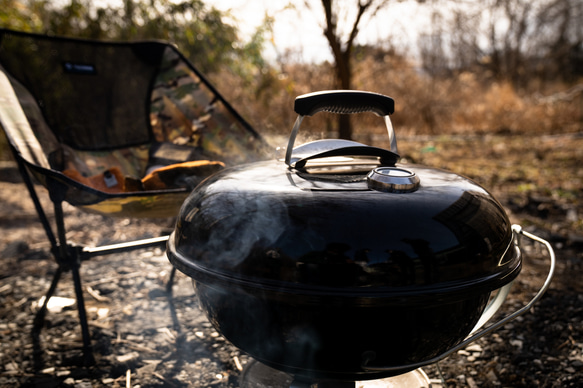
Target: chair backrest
<point>93,95</point>
<point>94,104</point>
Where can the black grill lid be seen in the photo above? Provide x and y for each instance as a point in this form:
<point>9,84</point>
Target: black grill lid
<point>266,225</point>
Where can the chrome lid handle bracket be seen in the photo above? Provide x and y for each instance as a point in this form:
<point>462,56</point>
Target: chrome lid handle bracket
<point>292,139</point>
<point>391,133</point>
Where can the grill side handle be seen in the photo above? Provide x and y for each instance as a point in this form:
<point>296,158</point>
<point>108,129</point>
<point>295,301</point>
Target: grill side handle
<point>368,357</point>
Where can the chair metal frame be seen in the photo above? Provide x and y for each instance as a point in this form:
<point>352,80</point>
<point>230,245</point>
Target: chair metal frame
<point>69,256</point>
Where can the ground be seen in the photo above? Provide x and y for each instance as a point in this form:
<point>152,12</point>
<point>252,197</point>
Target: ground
<point>142,337</point>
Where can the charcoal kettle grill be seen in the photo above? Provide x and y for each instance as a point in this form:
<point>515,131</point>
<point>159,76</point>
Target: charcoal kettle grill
<point>339,264</point>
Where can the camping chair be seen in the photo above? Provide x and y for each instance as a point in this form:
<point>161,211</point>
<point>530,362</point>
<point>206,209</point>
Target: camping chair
<point>118,129</point>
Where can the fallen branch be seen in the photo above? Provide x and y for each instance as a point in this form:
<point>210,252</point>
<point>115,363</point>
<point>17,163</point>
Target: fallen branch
<point>97,296</point>
<point>166,381</point>
<point>135,346</point>
<point>238,364</point>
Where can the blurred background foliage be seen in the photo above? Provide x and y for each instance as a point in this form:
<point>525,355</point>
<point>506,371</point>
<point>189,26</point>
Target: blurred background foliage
<point>494,66</point>
<point>196,29</point>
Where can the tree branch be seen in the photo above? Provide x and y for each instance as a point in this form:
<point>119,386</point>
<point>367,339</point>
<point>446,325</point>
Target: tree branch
<point>330,31</point>
<point>362,7</point>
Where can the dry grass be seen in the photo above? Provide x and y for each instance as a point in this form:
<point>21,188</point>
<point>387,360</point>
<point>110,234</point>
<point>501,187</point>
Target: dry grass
<point>466,103</point>
<point>520,170</point>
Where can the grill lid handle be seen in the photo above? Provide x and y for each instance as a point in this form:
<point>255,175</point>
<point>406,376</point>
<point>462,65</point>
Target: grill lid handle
<point>344,102</point>
<point>341,102</point>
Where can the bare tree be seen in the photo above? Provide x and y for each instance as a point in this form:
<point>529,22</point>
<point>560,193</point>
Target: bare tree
<point>342,45</point>
<point>561,42</point>
<point>514,40</point>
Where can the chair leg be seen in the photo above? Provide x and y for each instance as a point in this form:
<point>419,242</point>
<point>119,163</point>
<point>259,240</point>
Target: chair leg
<point>71,258</point>
<point>39,322</point>
<point>39,319</point>
<point>33,195</point>
<point>87,348</point>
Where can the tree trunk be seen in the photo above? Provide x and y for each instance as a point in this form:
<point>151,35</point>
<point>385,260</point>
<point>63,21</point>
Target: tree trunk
<point>344,74</point>
<point>342,55</point>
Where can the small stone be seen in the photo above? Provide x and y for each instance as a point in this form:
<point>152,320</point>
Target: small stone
<point>11,366</point>
<point>5,289</point>
<point>492,376</point>
<point>474,348</point>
